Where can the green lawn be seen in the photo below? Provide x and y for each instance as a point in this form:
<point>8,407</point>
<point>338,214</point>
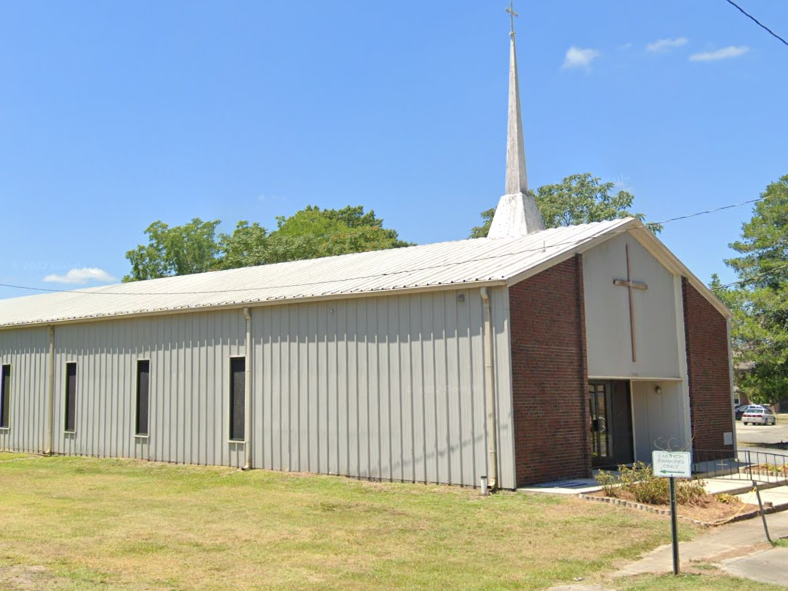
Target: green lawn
<point>83,523</point>
<point>711,581</point>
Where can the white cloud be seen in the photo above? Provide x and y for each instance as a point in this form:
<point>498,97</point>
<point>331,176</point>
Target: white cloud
<point>720,54</point>
<point>667,44</point>
<point>264,198</point>
<point>81,276</point>
<point>579,58</point>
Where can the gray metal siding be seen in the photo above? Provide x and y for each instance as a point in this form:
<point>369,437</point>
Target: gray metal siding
<point>388,388</point>
<point>26,351</point>
<point>189,387</point>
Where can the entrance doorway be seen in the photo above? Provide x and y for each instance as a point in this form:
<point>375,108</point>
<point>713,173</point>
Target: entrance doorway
<point>610,410</point>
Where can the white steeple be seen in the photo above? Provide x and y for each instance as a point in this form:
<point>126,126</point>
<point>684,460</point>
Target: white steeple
<point>517,213</point>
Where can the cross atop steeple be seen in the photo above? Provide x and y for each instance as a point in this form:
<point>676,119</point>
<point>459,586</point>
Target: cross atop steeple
<point>513,14</point>
<point>517,213</point>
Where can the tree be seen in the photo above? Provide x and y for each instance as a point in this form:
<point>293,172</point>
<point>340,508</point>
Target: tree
<point>180,250</point>
<point>307,234</point>
<point>759,299</point>
<point>313,233</point>
<point>578,199</point>
<point>247,246</point>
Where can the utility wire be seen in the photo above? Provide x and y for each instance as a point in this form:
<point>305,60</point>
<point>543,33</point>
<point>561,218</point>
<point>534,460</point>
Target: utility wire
<point>696,214</point>
<point>542,248</point>
<point>753,278</point>
<point>757,22</point>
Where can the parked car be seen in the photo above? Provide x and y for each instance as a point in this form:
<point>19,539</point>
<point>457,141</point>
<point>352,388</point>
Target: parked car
<point>739,411</point>
<point>758,415</point>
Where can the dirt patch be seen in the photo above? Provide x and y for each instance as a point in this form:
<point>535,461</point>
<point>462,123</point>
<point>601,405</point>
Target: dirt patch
<point>708,509</point>
<point>735,553</point>
<point>22,578</point>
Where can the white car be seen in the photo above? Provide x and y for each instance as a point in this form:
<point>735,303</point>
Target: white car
<point>759,415</point>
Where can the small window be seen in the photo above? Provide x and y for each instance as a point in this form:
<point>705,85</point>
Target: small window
<point>237,402</point>
<point>71,396</point>
<point>143,389</point>
<point>5,395</point>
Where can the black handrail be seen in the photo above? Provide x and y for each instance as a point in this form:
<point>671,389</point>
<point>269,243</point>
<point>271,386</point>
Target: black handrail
<point>744,464</point>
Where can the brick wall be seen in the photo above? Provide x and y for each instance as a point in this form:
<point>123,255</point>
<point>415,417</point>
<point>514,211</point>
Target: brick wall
<point>707,364</point>
<point>550,375</point>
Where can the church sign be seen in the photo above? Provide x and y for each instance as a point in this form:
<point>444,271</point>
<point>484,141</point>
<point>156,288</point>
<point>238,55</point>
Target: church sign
<point>672,464</point>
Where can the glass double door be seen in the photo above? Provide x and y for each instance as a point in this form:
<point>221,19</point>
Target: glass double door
<point>610,412</point>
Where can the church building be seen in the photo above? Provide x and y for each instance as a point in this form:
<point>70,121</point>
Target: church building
<point>530,356</point>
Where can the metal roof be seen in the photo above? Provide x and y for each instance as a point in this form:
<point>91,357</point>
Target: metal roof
<point>464,262</point>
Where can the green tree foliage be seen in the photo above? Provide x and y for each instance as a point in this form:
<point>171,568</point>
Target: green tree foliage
<point>759,300</point>
<point>247,246</point>
<point>578,199</point>
<point>307,234</point>
<point>180,250</point>
<point>313,233</point>
<point>484,229</point>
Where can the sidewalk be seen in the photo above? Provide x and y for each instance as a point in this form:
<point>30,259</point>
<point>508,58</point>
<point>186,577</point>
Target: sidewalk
<point>770,491</point>
<point>739,549</point>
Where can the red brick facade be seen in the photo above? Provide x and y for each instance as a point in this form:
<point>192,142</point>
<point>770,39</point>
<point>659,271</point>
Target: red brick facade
<point>706,331</point>
<point>549,375</point>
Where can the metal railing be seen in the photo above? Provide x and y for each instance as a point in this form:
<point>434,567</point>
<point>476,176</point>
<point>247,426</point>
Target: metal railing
<point>744,464</point>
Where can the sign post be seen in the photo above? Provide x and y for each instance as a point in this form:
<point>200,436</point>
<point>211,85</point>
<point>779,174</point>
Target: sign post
<point>674,526</point>
<point>673,464</point>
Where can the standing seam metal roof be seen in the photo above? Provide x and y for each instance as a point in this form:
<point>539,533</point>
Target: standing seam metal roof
<point>475,261</point>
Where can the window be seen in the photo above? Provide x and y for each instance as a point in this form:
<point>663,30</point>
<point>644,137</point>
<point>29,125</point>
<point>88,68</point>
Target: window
<point>237,402</point>
<point>5,395</point>
<point>71,395</point>
<point>143,389</point>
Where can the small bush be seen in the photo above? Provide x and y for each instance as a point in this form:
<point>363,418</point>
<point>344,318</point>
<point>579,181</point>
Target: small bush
<point>639,480</point>
<point>690,492</point>
<point>774,469</point>
<point>727,499</point>
<point>610,484</point>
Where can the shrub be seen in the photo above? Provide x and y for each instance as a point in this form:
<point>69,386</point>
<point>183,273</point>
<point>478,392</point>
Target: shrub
<point>727,499</point>
<point>610,484</point>
<point>774,469</point>
<point>690,492</point>
<point>640,482</point>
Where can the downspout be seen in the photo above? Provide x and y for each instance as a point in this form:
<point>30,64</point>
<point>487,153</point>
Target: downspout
<point>248,393</point>
<point>50,405</point>
<point>734,439</point>
<point>489,390</point>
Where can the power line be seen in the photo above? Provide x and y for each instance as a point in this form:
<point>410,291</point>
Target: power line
<point>542,248</point>
<point>696,214</point>
<point>757,22</point>
<point>753,278</point>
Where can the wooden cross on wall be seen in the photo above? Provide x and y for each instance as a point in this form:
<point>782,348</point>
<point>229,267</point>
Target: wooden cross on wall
<point>630,285</point>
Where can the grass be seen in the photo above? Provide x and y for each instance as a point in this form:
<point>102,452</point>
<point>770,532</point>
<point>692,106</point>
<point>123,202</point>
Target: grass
<point>711,581</point>
<point>86,524</point>
<point>9,457</point>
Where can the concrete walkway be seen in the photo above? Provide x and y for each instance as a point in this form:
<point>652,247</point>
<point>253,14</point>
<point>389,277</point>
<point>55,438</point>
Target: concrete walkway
<point>739,549</point>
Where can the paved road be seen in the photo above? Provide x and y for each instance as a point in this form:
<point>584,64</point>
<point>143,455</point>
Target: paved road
<point>760,434</point>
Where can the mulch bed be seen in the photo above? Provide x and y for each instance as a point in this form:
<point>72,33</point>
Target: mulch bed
<point>707,511</point>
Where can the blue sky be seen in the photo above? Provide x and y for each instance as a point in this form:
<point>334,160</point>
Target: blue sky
<point>117,114</point>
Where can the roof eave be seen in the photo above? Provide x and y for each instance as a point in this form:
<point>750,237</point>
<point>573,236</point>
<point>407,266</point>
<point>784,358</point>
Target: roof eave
<point>255,304</point>
<point>655,246</point>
